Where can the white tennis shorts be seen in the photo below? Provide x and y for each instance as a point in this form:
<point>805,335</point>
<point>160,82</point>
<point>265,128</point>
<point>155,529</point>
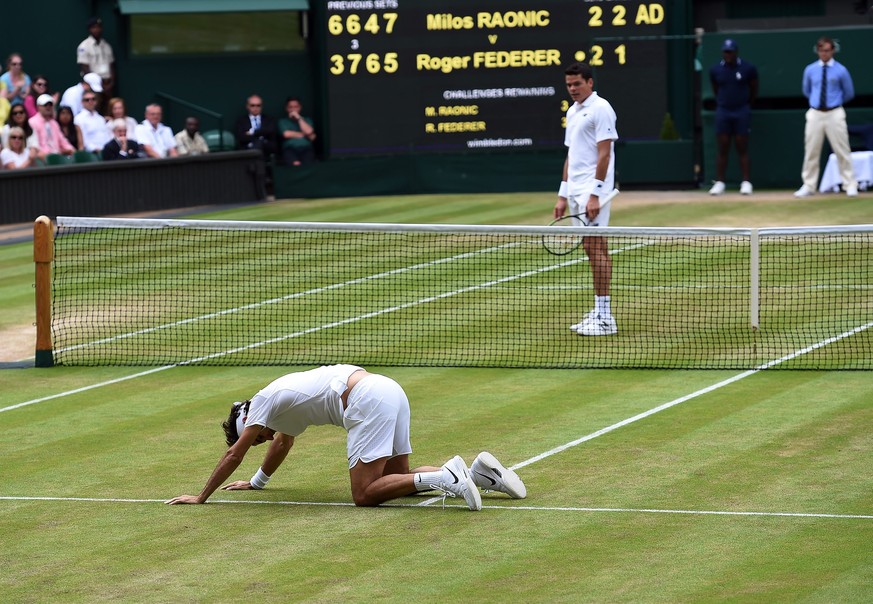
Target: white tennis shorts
<point>577,205</point>
<point>377,420</point>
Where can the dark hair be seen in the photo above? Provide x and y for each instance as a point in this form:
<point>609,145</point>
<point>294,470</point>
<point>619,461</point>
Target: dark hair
<point>580,69</point>
<point>26,125</point>
<point>229,426</point>
<point>826,40</point>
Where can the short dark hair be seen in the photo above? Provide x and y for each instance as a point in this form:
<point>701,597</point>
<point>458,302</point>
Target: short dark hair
<point>229,426</point>
<point>825,40</point>
<point>580,69</point>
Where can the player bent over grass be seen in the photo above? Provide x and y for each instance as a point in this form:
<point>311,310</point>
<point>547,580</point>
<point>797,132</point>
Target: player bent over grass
<point>374,411</point>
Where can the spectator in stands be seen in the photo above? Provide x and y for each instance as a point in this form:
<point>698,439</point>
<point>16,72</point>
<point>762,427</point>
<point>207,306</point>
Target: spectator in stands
<point>735,86</point>
<point>297,133</point>
<point>4,107</point>
<point>17,155</point>
<point>40,86</point>
<point>47,129</point>
<point>92,124</point>
<point>117,110</point>
<point>72,97</point>
<point>189,141</point>
<point>17,82</point>
<point>155,138</point>
<point>827,85</point>
<point>120,147</point>
<point>255,129</point>
<point>18,117</point>
<point>70,130</point>
<point>95,55</point>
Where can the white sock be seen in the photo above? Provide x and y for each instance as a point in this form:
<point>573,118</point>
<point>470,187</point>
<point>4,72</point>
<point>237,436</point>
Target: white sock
<point>424,481</point>
<point>601,305</point>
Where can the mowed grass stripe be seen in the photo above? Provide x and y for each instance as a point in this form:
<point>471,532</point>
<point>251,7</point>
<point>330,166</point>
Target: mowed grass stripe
<point>187,551</point>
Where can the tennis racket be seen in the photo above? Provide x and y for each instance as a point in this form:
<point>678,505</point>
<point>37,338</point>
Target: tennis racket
<point>561,244</point>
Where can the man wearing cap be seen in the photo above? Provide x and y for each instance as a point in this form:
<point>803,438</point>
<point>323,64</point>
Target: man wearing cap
<point>72,98</point>
<point>827,85</point>
<point>47,130</point>
<point>95,55</point>
<point>735,86</point>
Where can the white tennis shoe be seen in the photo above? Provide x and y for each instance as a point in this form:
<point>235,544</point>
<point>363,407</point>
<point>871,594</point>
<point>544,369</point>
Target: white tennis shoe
<point>456,482</point>
<point>588,318</point>
<point>599,326</point>
<point>804,191</point>
<point>490,475</point>
<point>717,188</point>
<point>745,188</point>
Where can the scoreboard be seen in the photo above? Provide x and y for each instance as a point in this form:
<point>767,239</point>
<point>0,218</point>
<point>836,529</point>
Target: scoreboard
<point>486,75</point>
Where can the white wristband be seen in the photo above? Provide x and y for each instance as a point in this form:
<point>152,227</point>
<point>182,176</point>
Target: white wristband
<point>563,189</point>
<point>599,188</point>
<point>259,480</point>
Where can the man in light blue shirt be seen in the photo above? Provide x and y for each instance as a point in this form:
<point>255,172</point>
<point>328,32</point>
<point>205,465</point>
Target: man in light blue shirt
<point>828,85</point>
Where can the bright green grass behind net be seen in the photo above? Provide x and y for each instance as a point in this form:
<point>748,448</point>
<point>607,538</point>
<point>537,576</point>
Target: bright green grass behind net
<point>127,296</point>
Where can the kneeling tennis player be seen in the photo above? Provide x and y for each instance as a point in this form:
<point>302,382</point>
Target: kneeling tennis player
<point>374,411</point>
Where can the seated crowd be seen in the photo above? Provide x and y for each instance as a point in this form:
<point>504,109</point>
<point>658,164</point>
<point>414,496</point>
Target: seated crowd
<point>38,127</point>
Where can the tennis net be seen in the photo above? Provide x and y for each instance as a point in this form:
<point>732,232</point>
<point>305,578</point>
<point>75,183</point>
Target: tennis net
<point>158,292</point>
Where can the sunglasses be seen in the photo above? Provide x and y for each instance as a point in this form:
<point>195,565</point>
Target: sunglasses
<point>14,137</point>
<point>89,99</point>
<point>40,83</point>
<point>16,64</point>
<point>254,104</point>
<point>17,113</point>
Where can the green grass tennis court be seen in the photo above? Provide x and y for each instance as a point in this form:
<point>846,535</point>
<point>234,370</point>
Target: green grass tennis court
<point>643,485</point>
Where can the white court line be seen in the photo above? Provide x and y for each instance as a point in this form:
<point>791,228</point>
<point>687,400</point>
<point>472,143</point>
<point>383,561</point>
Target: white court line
<point>678,401</point>
<point>313,329</point>
<point>524,508</point>
<point>285,298</point>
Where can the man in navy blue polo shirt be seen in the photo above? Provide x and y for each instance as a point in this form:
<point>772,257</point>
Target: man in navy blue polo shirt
<point>735,85</point>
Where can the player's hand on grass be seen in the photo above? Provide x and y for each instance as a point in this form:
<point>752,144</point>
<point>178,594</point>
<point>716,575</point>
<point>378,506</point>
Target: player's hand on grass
<point>183,499</point>
<point>238,485</point>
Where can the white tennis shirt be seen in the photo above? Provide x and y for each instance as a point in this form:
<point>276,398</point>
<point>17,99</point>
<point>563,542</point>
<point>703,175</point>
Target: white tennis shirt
<point>588,123</point>
<point>296,401</point>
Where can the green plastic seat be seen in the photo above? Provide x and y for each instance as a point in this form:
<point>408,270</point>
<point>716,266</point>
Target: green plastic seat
<point>56,159</point>
<point>219,140</point>
<point>84,157</point>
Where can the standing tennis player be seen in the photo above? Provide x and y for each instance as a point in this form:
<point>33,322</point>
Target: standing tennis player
<point>589,175</point>
<point>374,411</point>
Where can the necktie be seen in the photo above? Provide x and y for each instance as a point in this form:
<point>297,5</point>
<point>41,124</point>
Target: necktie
<point>256,122</point>
<point>823,98</point>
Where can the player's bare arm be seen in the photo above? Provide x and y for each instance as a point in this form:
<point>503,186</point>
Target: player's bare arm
<point>561,205</point>
<point>604,151</point>
<point>276,454</point>
<point>228,464</point>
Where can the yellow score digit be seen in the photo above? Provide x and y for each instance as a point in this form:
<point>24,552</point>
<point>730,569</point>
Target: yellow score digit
<point>373,63</point>
<point>619,14</point>
<point>352,25</point>
<point>620,52</point>
<point>596,56</point>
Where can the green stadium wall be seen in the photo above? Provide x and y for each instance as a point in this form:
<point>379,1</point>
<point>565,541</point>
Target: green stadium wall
<point>776,140</point>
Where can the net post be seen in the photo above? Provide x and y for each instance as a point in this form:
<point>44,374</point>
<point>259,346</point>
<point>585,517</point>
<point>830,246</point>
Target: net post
<point>754,277</point>
<point>43,255</point>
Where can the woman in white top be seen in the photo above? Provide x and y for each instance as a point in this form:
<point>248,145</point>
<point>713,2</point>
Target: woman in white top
<point>18,117</point>
<point>17,156</point>
<point>118,111</point>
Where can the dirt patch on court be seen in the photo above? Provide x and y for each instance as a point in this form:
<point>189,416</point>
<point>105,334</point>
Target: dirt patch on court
<point>17,343</point>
